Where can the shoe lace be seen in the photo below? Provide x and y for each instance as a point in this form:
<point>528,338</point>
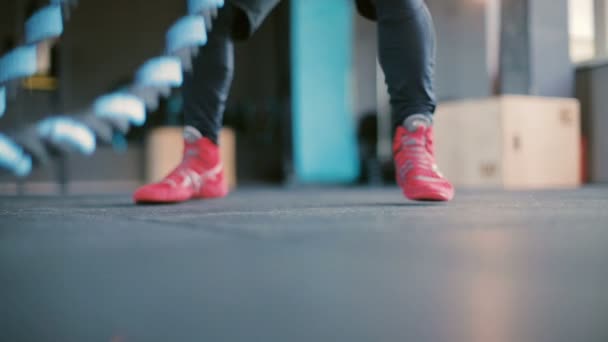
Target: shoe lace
<point>418,154</point>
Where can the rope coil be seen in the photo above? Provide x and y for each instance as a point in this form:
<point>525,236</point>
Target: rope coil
<point>110,117</point>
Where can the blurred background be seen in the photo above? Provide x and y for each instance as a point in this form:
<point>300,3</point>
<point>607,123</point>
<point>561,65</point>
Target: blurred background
<point>551,53</point>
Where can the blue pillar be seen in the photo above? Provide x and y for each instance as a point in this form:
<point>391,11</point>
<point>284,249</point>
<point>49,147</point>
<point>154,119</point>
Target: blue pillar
<point>325,148</point>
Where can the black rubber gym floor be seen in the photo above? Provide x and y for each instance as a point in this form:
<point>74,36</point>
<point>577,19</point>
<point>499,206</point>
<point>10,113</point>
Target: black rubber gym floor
<point>307,265</point>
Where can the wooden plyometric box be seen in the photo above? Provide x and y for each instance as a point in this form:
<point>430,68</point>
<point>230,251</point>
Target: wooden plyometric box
<point>513,142</point>
<point>164,148</point>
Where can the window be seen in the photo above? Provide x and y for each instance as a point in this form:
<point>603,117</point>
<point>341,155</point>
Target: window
<point>588,29</point>
<point>582,33</point>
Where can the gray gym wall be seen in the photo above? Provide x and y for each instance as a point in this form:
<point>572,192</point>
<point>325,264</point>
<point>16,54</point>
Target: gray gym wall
<point>364,80</point>
<point>461,49</point>
<point>591,90</point>
<point>535,42</point>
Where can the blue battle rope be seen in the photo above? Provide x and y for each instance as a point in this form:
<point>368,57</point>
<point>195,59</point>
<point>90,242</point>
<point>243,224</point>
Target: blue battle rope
<point>111,115</point>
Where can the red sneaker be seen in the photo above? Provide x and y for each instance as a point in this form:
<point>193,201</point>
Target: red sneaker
<point>416,171</point>
<point>199,175</point>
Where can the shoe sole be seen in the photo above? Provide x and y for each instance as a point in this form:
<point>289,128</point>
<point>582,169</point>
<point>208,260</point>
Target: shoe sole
<point>157,201</point>
<point>428,196</point>
<point>152,201</point>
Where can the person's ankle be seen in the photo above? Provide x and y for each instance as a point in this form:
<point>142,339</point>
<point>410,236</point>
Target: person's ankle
<point>412,122</point>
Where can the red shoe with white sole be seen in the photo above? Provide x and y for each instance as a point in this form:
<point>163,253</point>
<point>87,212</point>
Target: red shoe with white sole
<point>199,175</point>
<point>416,171</point>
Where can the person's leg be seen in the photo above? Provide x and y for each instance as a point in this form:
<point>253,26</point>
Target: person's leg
<point>207,86</point>
<point>406,50</point>
<point>200,173</point>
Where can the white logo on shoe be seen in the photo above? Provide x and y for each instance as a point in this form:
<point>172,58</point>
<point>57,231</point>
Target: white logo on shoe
<point>191,178</point>
<point>429,179</point>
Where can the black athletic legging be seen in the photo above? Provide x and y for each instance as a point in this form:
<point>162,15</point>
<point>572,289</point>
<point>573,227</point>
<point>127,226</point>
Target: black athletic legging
<point>406,49</point>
